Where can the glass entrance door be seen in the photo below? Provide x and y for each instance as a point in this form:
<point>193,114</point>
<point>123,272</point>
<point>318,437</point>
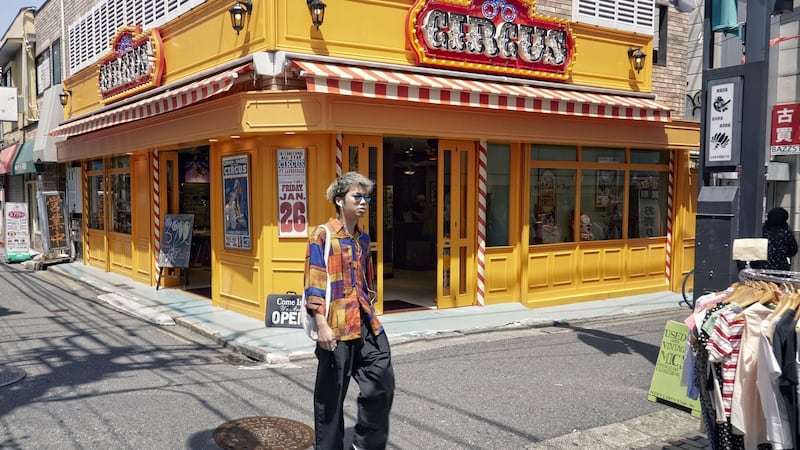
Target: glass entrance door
<point>364,154</point>
<point>457,224</point>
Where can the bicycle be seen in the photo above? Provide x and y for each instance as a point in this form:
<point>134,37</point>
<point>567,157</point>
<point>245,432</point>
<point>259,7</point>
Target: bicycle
<point>684,283</point>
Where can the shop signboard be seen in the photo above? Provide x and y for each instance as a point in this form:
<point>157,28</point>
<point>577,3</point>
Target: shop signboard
<point>785,129</point>
<point>176,241</point>
<point>134,63</point>
<point>292,195</point>
<point>494,36</point>
<point>51,213</point>
<point>15,230</point>
<point>723,122</point>
<point>283,310</point>
<point>666,382</point>
<point>236,192</point>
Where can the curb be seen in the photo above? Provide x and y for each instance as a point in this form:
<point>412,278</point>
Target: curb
<point>270,357</point>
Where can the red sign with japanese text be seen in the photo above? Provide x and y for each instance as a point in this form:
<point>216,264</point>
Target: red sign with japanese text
<point>785,129</point>
<point>135,63</point>
<point>495,36</point>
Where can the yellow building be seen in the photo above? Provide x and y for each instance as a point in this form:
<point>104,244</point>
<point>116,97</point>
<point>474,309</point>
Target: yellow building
<point>518,157</point>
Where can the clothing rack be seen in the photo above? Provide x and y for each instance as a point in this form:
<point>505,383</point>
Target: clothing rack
<point>775,276</point>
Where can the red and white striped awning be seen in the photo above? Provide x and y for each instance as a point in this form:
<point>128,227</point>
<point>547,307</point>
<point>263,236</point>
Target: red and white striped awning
<point>159,104</point>
<point>394,85</point>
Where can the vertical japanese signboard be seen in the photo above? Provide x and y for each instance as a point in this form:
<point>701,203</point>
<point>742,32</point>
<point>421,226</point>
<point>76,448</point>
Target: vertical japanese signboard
<point>785,130</point>
<point>723,108</point>
<point>53,220</point>
<point>236,192</point>
<point>17,236</point>
<point>292,206</point>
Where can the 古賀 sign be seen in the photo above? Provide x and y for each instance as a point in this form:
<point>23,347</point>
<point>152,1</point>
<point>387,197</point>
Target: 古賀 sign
<point>494,36</point>
<point>785,129</point>
<point>134,63</point>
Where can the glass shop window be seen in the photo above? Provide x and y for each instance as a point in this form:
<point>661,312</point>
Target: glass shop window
<point>553,153</point>
<point>649,156</point>
<point>96,194</point>
<point>120,193</point>
<point>552,202</point>
<point>602,198</point>
<point>498,168</point>
<point>602,155</point>
<point>648,204</point>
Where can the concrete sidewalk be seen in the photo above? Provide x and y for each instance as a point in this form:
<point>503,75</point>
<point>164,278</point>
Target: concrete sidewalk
<point>251,336</point>
<point>670,429</point>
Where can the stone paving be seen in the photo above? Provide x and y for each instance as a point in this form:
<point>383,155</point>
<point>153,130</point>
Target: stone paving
<point>669,429</point>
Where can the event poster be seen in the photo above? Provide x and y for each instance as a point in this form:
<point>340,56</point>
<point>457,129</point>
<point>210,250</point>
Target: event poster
<point>17,237</point>
<point>236,185</point>
<point>292,195</point>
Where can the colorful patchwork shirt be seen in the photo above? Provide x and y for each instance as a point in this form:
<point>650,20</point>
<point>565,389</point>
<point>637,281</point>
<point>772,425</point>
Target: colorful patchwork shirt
<point>351,283</point>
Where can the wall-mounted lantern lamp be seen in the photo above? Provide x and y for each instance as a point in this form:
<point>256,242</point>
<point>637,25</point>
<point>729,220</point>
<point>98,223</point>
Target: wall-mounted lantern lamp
<point>637,56</point>
<point>317,10</point>
<point>64,97</point>
<point>238,11</point>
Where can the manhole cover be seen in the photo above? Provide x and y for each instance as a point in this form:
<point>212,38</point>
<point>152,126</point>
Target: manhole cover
<point>10,375</point>
<point>264,433</point>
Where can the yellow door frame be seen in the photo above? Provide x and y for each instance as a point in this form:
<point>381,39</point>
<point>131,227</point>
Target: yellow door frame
<point>457,224</point>
<point>364,154</point>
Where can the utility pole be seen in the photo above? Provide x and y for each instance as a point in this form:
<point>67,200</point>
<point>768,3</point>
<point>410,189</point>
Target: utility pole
<point>733,138</point>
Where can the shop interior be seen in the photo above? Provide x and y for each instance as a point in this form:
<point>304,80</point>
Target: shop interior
<point>194,198</point>
<point>409,224</point>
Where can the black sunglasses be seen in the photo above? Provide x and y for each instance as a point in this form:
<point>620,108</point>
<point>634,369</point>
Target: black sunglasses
<point>359,197</point>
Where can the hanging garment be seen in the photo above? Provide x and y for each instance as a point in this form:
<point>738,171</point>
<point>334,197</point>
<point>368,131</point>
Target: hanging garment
<point>776,418</point>
<point>747,416</point>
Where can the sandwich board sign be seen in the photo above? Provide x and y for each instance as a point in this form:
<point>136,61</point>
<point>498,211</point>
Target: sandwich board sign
<point>15,232</point>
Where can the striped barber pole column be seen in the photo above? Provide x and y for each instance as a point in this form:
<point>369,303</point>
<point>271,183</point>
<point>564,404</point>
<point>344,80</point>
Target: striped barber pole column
<point>338,154</point>
<point>668,267</point>
<point>85,181</point>
<point>156,208</point>
<point>482,146</point>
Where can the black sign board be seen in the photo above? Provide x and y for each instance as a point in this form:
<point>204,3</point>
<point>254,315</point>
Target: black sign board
<point>54,234</point>
<point>176,240</point>
<point>283,310</point>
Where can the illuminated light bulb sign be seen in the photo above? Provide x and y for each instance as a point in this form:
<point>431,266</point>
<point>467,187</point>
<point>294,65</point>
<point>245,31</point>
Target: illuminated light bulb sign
<point>134,64</point>
<point>494,36</point>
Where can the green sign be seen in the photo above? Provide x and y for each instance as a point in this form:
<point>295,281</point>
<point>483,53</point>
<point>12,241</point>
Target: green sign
<point>666,382</point>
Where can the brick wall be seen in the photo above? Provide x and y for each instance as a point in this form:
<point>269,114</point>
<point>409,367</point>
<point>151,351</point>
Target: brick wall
<point>669,81</point>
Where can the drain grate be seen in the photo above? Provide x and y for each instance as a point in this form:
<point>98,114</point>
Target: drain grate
<point>264,433</point>
<point>9,375</point>
<point>237,360</point>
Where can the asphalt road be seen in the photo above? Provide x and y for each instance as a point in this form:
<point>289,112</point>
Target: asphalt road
<point>98,379</point>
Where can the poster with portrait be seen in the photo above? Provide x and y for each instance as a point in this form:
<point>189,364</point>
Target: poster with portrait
<point>606,186</point>
<point>236,195</point>
<point>292,195</point>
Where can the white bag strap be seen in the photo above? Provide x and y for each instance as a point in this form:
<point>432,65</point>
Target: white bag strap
<point>327,254</point>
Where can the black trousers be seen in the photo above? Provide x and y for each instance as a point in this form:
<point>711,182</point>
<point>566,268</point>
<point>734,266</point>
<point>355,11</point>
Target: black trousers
<point>367,360</point>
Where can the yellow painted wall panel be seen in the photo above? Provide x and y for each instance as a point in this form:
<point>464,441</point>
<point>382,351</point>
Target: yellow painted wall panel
<point>120,254</point>
<point>538,268</point>
<point>285,112</point>
<point>499,271</point>
<point>96,250</point>
<point>203,39</point>
<point>590,262</point>
<point>563,267</point>
<point>637,265</point>
<point>613,264</point>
